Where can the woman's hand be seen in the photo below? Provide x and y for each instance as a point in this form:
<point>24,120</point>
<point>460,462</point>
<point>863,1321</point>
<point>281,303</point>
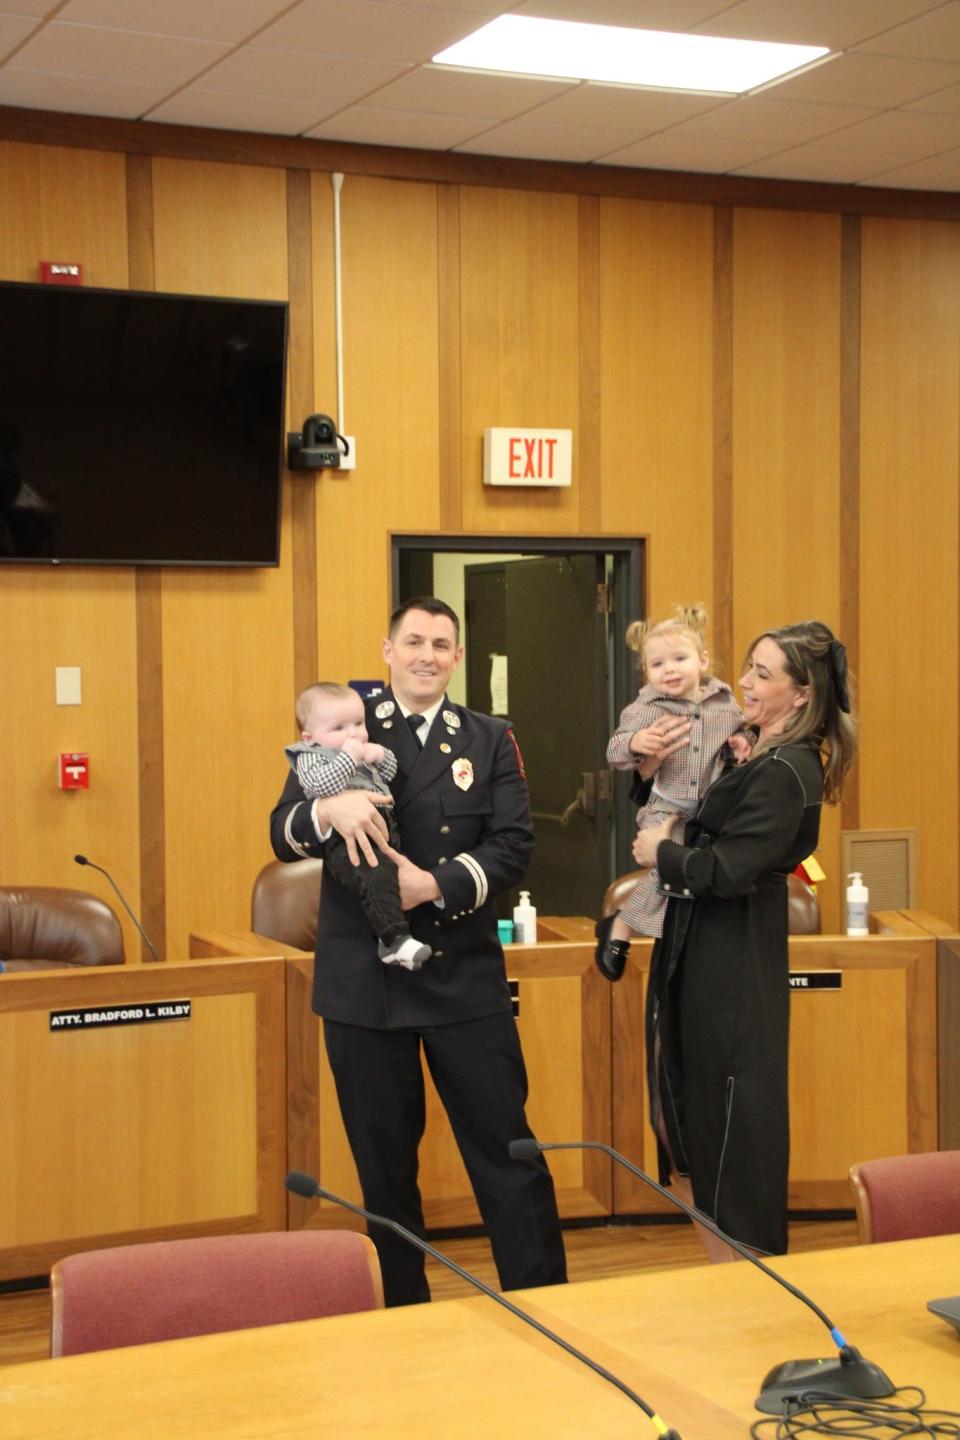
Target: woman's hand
<point>658,741</point>
<point>646,842</point>
<point>741,747</point>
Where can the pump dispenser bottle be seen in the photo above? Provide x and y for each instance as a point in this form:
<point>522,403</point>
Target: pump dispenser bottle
<point>525,920</point>
<point>858,900</point>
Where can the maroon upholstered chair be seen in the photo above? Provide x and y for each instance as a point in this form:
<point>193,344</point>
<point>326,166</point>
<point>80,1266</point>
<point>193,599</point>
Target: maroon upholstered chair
<point>169,1289</point>
<point>43,927</point>
<point>803,907</point>
<point>286,900</point>
<point>907,1196</point>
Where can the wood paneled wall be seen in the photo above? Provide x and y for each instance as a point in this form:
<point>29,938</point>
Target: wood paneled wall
<point>655,450</point>
<point>910,374</point>
<point>769,395</point>
<point>786,542</point>
<point>391,406</point>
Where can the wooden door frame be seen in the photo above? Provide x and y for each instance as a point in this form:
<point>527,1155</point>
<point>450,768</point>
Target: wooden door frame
<point>628,603</point>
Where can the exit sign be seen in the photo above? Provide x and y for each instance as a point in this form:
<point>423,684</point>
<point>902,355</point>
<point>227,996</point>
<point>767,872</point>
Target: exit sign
<point>527,457</point>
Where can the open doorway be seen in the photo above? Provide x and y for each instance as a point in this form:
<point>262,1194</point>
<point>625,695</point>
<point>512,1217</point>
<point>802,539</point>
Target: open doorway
<point>543,625</point>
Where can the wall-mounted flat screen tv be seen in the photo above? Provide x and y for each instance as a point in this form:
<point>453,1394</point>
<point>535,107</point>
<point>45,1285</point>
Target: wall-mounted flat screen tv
<point>139,429</point>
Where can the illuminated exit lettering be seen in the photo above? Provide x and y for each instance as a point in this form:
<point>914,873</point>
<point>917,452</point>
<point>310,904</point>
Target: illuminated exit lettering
<point>532,459</point>
<point>527,457</point>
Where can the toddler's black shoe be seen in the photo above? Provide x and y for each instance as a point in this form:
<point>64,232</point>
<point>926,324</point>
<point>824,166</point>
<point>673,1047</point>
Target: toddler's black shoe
<point>610,954</point>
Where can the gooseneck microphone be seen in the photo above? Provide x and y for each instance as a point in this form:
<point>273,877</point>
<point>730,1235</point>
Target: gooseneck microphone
<point>82,860</point>
<point>309,1189</point>
<point>850,1376</point>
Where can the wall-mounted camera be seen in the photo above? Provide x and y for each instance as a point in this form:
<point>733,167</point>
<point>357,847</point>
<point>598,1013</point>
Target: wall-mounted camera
<point>317,447</point>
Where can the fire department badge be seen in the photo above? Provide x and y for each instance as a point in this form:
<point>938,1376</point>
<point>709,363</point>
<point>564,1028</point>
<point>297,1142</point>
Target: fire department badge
<point>462,773</point>
<point>386,707</point>
<point>451,720</point>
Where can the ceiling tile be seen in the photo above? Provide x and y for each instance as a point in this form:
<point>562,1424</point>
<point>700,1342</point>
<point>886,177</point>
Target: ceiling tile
<point>671,151</point>
<point>869,80</point>
<point>484,8</point>
<point>780,122</point>
<point>78,94</point>
<point>528,140</point>
<point>837,23</point>
<point>944,102</point>
<point>940,172</point>
<point>371,125</point>
<point>929,37</point>
<point>635,14</point>
<point>369,29</point>
<point>89,50</point>
<point>624,106</point>
<point>270,114</point>
<point>231,20</point>
<point>30,7</point>
<point>464,92</point>
<point>287,74</point>
<point>14,29</point>
<point>907,131</point>
<point>818,163</point>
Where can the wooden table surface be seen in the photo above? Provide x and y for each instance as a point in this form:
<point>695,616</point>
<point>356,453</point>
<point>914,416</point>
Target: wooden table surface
<point>721,1328</point>
<point>695,1343</point>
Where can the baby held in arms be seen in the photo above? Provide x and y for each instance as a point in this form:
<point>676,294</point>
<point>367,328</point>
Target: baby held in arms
<point>334,754</point>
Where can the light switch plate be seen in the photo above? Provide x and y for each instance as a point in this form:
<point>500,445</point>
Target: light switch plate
<point>68,685</point>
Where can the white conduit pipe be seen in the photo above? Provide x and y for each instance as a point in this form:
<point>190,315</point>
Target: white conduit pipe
<point>336,180</point>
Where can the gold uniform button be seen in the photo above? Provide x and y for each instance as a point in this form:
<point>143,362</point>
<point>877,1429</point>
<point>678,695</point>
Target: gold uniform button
<point>438,954</point>
<point>442,860</point>
<point>444,829</point>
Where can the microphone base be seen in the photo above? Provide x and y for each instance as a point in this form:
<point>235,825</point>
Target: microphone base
<point>844,1379</point>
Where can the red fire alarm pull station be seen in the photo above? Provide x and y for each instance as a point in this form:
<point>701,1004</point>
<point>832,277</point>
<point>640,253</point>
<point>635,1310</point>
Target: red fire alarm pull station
<point>60,272</point>
<point>74,770</point>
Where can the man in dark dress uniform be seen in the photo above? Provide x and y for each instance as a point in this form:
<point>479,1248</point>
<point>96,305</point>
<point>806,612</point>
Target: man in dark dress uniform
<point>462,808</point>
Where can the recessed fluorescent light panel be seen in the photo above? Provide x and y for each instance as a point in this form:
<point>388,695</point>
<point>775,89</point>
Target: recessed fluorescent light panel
<point>658,59</point>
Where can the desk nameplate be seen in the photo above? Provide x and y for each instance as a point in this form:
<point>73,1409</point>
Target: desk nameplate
<point>816,979</point>
<point>103,1017</point>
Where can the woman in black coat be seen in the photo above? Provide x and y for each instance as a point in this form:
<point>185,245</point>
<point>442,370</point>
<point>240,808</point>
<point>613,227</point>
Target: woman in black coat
<point>718,999</point>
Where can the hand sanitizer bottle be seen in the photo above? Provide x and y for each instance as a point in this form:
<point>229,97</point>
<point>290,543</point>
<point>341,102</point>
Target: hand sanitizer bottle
<point>858,898</point>
<point>525,920</point>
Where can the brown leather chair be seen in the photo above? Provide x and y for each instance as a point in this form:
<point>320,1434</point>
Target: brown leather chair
<point>43,927</point>
<point>286,899</point>
<point>803,907</point>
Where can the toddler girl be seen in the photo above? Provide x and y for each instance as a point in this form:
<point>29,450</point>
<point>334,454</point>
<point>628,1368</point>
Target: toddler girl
<point>674,660</point>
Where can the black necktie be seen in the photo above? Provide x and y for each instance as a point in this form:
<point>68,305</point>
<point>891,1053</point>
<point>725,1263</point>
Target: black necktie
<point>415,722</point>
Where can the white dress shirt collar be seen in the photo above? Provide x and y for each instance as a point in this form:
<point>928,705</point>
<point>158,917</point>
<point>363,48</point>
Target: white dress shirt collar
<point>427,716</point>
